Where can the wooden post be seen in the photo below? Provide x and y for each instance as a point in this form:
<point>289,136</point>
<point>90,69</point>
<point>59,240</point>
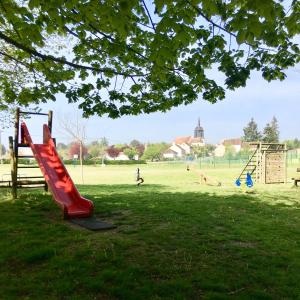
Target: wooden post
<point>257,165</point>
<point>13,168</point>
<point>17,124</point>
<point>15,154</point>
<point>50,117</point>
<point>285,164</point>
<point>264,166</point>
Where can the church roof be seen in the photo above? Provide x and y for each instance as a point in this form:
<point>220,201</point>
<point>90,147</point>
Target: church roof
<point>187,140</point>
<point>196,140</point>
<point>182,139</point>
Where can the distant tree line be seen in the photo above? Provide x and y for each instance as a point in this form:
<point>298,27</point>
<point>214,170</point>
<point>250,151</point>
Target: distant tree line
<point>270,133</point>
<point>99,149</point>
<point>292,144</point>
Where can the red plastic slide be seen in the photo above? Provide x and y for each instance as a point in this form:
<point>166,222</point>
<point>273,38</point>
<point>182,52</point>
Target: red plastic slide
<point>57,177</point>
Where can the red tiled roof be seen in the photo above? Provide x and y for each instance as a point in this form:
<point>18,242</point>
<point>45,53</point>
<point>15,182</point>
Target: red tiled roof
<point>187,140</point>
<point>182,139</point>
<point>229,142</point>
<point>195,140</point>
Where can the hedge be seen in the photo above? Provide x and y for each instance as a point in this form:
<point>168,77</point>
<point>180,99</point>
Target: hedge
<point>24,161</point>
<point>106,162</point>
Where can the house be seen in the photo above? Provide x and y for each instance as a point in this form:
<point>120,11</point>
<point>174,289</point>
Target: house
<point>169,154</point>
<point>120,156</point>
<point>236,143</point>
<point>183,145</point>
<point>180,149</point>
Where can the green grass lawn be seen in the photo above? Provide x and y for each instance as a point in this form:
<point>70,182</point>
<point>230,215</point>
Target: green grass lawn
<point>175,239</point>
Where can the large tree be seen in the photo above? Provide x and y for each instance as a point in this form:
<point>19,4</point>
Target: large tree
<point>251,132</point>
<point>76,150</point>
<point>121,57</point>
<point>98,148</point>
<point>271,132</point>
<point>138,146</point>
<point>113,152</point>
<point>155,151</point>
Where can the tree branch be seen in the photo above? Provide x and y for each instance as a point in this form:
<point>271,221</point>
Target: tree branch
<point>222,28</point>
<point>14,59</point>
<point>148,13</point>
<point>209,20</point>
<point>63,60</point>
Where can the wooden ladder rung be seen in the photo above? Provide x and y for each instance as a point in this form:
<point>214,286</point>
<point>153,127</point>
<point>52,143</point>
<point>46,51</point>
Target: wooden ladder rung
<point>31,187</point>
<point>29,177</point>
<point>28,167</point>
<point>30,182</point>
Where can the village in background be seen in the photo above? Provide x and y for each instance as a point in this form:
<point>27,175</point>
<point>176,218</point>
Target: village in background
<point>188,148</point>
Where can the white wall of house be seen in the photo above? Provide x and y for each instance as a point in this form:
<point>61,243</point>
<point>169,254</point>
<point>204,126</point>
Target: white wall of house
<point>237,148</point>
<point>177,149</point>
<point>198,144</point>
<point>186,148</point>
<point>220,150</point>
<point>121,156</point>
<point>169,155</point>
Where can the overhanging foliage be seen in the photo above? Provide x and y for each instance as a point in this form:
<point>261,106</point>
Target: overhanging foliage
<point>130,57</point>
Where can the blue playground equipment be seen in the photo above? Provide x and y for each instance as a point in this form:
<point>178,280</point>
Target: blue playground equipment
<point>249,181</point>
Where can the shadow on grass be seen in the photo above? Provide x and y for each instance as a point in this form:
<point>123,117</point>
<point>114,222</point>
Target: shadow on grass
<point>168,245</point>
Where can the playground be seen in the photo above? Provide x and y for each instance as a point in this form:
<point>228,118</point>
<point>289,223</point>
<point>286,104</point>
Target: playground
<point>136,205</point>
<point>175,238</point>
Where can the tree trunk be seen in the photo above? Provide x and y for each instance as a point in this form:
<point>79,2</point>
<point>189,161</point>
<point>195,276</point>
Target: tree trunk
<point>81,159</point>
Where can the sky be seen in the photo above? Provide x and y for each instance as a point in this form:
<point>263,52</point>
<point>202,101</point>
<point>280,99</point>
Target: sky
<point>225,119</point>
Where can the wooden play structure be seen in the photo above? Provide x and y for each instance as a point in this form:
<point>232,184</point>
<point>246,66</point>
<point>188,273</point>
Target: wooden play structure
<point>56,178</point>
<point>267,163</point>
<point>17,179</point>
<point>297,178</point>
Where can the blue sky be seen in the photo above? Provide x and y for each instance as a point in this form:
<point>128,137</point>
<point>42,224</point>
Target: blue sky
<point>225,119</point>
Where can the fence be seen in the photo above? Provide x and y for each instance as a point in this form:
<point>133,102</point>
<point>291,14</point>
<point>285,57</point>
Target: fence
<point>292,158</point>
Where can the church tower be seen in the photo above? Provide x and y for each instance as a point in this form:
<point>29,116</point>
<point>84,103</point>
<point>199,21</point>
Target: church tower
<point>199,131</point>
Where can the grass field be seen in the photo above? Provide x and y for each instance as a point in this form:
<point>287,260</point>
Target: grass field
<point>175,239</point>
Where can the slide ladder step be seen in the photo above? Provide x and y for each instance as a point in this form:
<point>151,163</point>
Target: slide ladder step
<point>30,177</point>
<point>30,182</point>
<point>28,167</point>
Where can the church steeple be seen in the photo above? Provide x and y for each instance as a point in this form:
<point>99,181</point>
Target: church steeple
<point>199,131</point>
